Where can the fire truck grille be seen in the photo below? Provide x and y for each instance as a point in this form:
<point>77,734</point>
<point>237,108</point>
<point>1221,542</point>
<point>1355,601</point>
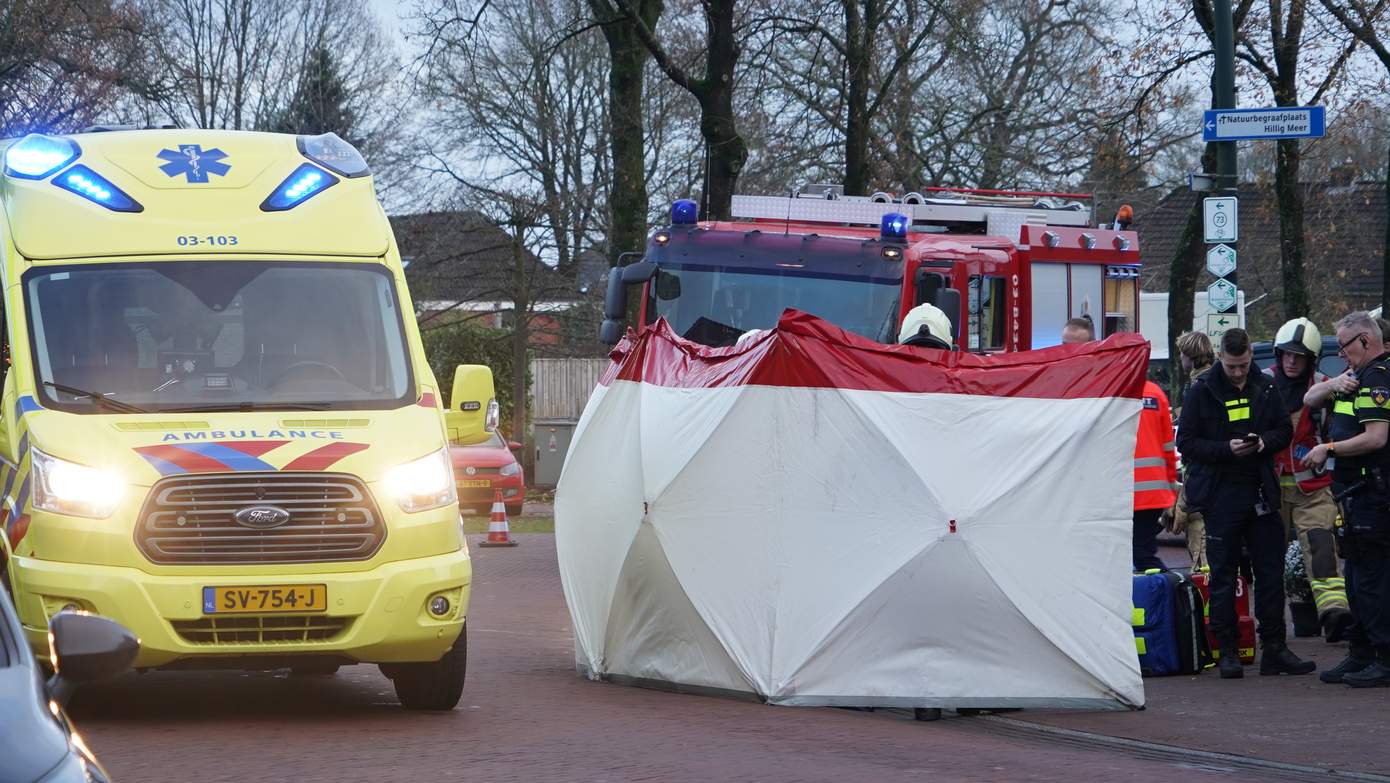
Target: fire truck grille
<point>262,629</point>
<point>191,519</point>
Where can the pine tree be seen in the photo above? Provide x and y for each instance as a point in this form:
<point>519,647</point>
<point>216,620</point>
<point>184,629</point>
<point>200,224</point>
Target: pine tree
<point>320,100</point>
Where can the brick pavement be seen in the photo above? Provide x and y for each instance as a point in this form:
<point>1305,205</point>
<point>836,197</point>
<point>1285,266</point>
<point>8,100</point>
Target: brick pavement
<point>526,715</point>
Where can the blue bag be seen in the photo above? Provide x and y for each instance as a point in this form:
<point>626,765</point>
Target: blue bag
<point>1168,629</point>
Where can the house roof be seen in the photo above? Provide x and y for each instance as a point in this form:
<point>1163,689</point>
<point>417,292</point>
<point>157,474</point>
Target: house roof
<point>1344,240</point>
<point>461,256</point>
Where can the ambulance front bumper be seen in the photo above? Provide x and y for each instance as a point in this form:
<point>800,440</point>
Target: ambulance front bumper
<point>381,615</point>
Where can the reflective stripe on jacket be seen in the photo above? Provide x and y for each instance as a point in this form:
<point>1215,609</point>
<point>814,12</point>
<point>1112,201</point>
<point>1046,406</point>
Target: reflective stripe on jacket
<point>1288,463</point>
<point>1155,453</point>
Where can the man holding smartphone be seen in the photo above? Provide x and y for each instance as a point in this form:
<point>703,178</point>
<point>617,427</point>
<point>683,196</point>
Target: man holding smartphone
<point>1231,425</point>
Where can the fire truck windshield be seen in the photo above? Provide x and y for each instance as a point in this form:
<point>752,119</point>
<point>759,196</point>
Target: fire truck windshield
<point>713,304</point>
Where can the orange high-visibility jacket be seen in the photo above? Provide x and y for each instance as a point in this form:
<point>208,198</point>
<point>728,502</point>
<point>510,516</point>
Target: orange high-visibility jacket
<point>1155,453</point>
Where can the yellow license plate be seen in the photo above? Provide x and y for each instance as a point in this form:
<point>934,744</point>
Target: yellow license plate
<point>264,599</point>
<point>475,483</point>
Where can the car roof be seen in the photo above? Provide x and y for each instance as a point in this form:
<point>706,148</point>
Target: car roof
<point>1329,361</point>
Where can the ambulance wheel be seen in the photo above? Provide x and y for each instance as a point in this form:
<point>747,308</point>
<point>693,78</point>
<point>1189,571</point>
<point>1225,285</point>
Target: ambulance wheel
<point>514,511</point>
<point>432,686</point>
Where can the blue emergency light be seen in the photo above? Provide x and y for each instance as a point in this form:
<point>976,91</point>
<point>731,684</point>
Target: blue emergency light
<point>92,186</point>
<point>684,212</point>
<point>306,182</point>
<point>36,156</point>
<point>894,226</point>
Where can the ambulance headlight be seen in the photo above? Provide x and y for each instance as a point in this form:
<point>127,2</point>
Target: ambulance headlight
<point>333,153</point>
<point>68,488</point>
<point>36,156</point>
<point>493,418</point>
<point>424,484</point>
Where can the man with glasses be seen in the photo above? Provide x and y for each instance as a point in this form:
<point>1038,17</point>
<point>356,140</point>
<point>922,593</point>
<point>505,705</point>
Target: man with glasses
<point>1231,425</point>
<point>1360,468</point>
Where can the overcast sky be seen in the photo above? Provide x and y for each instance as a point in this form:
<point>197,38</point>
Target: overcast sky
<point>389,12</point>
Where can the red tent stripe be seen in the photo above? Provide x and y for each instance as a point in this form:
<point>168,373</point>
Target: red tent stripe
<point>807,352</point>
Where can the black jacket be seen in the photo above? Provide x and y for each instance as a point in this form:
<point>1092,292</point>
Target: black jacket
<point>1204,434</point>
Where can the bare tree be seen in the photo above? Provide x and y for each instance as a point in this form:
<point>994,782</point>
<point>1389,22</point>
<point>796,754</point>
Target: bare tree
<point>1278,66</point>
<point>627,131</point>
<point>524,105</point>
<point>1361,18</point>
<point>63,63</point>
<point>842,59</point>
<point>726,152</point>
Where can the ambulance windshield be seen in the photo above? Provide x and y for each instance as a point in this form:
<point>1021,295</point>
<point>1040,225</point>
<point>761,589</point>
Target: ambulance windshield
<point>217,335</point>
<point>713,305</point>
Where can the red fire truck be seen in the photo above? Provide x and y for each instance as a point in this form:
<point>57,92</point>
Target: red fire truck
<point>1008,267</point>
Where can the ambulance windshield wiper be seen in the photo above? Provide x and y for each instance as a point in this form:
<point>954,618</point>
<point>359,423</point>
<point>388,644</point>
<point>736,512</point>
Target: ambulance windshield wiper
<point>249,407</point>
<point>100,399</point>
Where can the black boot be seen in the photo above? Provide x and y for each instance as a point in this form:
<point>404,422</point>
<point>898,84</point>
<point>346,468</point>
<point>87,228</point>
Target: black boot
<point>1229,664</point>
<point>1335,625</point>
<point>1279,659</point>
<point>1353,663</point>
<point>1376,675</point>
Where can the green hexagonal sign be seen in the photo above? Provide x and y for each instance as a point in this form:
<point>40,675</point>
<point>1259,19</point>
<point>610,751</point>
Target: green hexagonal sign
<point>1221,295</point>
<point>1221,260</point>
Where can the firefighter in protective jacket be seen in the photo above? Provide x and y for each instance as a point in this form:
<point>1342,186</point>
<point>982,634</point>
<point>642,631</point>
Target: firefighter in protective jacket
<point>1155,476</point>
<point>1305,499</point>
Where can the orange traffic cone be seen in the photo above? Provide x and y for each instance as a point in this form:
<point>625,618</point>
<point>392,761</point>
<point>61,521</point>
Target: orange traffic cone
<point>498,533</point>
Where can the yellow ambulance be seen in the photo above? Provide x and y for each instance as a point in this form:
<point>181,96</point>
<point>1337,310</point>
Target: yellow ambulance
<point>218,426</point>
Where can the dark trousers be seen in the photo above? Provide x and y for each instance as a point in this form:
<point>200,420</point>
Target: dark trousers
<point>1359,642</point>
<point>1368,573</point>
<point>1145,544</point>
<point>1232,524</point>
<point>1370,583</point>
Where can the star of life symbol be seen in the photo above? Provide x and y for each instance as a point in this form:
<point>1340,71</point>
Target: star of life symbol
<point>194,162</point>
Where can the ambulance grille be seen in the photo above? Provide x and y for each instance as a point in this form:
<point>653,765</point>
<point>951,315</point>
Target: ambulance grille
<point>261,629</point>
<point>190,519</point>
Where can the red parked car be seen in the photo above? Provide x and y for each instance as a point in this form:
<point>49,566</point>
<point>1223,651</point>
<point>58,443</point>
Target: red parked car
<point>480,469</point>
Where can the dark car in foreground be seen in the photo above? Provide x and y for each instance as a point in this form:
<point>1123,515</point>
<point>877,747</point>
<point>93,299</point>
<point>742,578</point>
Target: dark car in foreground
<point>37,741</point>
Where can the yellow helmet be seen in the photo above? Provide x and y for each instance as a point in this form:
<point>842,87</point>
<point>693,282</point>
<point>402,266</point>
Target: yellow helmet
<point>927,326</point>
<point>1299,336</point>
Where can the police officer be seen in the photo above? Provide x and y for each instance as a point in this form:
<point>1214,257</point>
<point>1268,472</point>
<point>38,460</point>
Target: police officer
<point>1231,425</point>
<point>1305,500</point>
<point>1358,444</point>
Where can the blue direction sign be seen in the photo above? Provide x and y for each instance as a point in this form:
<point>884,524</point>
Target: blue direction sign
<point>1294,122</point>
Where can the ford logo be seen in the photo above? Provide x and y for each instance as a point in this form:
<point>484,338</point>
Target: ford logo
<point>262,517</point>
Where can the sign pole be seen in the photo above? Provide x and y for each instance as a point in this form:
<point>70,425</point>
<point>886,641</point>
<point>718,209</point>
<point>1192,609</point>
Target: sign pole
<point>1223,96</point>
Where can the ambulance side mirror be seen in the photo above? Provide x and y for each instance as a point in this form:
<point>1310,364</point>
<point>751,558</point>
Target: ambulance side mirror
<point>472,402</point>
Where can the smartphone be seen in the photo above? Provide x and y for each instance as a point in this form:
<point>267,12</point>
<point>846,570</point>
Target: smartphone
<point>1250,437</point>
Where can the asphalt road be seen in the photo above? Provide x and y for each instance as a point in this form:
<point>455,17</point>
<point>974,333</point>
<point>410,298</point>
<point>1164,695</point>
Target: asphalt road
<point>526,715</point>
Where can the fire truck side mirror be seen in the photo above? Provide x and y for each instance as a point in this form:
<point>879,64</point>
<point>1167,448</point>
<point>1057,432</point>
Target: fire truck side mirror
<point>615,301</point>
<point>926,284</point>
<point>948,300</point>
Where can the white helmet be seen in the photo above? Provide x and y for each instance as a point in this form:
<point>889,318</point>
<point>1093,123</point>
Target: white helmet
<point>1299,336</point>
<point>926,326</point>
